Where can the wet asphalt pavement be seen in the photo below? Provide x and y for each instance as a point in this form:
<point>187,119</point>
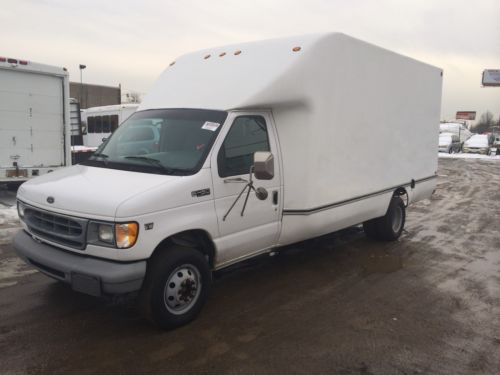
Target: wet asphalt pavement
<point>426,304</point>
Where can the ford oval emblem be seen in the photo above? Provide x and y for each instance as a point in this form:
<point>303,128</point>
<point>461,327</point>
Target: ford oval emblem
<point>50,200</point>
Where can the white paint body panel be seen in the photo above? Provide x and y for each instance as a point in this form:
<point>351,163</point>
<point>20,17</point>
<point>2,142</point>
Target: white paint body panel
<point>34,118</point>
<point>348,123</point>
<point>352,118</point>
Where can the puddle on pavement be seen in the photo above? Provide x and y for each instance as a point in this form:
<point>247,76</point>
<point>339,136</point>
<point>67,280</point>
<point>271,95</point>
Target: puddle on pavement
<point>380,262</point>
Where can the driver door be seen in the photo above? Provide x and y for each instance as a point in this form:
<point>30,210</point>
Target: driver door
<point>258,228</point>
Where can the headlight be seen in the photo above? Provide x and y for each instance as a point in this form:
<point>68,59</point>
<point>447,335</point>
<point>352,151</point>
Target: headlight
<point>101,234</point>
<point>119,235</point>
<point>20,209</point>
<point>126,234</point>
<point>105,233</point>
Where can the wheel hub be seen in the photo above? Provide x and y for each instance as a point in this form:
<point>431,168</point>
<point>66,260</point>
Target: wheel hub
<point>182,289</point>
<point>397,219</point>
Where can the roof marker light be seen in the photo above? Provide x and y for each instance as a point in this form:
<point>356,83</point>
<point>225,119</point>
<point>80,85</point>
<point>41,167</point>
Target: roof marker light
<point>296,49</point>
<point>12,61</point>
<point>23,62</point>
<point>222,54</point>
<point>207,56</point>
<point>237,53</point>
<point>3,59</point>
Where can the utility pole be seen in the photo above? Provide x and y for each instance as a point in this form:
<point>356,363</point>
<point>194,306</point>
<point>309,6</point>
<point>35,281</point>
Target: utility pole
<point>81,86</point>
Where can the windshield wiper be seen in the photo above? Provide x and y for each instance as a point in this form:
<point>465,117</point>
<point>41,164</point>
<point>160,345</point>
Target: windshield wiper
<point>95,156</point>
<point>101,155</point>
<point>157,163</point>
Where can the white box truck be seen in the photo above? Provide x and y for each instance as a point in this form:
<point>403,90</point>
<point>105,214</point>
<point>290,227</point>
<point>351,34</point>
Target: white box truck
<point>237,151</point>
<point>34,119</point>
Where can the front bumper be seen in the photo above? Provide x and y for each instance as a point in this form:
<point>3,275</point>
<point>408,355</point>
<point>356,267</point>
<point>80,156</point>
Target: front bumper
<point>481,151</point>
<point>85,274</point>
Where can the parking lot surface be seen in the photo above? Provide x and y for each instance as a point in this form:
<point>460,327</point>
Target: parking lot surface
<point>428,303</point>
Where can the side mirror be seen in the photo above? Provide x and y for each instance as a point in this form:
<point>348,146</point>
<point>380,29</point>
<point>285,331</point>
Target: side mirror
<point>263,165</point>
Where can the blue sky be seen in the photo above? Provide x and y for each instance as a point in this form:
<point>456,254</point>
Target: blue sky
<point>131,42</point>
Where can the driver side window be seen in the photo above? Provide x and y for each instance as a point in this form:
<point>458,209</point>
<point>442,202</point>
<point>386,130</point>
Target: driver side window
<point>247,135</point>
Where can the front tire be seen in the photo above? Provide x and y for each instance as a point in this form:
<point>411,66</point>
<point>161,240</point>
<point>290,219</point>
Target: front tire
<point>390,226</point>
<point>176,286</point>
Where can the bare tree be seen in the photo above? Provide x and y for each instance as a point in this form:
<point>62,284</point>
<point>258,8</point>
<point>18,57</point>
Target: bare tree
<point>485,123</point>
<point>133,97</point>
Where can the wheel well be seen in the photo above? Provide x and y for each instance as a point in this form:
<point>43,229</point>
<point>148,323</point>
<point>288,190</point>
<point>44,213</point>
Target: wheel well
<point>196,238</point>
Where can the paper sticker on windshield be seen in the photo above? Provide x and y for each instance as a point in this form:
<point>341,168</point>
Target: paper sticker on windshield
<point>212,126</point>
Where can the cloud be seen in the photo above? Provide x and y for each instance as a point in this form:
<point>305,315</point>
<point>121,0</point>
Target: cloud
<point>131,42</point>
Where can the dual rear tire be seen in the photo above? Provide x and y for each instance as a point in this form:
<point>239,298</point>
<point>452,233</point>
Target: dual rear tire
<point>390,226</point>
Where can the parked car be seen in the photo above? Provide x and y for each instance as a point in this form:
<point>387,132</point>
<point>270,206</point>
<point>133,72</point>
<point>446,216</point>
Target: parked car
<point>254,153</point>
<point>495,147</point>
<point>455,128</point>
<point>478,144</point>
<point>449,143</point>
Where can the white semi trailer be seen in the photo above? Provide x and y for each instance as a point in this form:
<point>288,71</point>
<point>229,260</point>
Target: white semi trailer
<point>34,119</point>
<point>237,151</point>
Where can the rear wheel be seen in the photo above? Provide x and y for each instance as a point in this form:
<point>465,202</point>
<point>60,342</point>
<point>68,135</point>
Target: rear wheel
<point>390,226</point>
<point>176,286</point>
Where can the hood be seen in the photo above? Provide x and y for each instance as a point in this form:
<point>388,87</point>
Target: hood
<point>477,142</point>
<point>444,141</point>
<point>91,191</point>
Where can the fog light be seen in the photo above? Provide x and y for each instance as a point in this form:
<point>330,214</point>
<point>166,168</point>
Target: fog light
<point>126,234</point>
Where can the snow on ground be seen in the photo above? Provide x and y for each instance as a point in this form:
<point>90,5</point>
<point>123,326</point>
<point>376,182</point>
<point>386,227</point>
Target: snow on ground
<point>8,217</point>
<point>11,267</point>
<point>469,156</point>
<point>11,270</point>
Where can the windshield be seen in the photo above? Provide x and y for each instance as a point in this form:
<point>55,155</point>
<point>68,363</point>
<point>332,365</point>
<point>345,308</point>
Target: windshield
<point>166,141</point>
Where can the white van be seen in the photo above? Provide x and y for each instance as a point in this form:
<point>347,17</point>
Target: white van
<point>236,151</point>
<point>100,122</point>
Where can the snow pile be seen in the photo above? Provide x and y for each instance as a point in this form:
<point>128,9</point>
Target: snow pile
<point>83,149</point>
<point>469,156</point>
<point>9,217</point>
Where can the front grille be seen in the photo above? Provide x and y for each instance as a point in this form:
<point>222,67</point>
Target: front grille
<point>58,228</point>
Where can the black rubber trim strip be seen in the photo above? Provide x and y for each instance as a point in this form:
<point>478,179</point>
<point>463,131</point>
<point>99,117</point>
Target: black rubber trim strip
<point>351,200</point>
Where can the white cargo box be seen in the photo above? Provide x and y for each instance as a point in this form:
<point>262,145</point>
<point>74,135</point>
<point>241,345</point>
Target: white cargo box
<point>353,119</point>
<point>34,119</point>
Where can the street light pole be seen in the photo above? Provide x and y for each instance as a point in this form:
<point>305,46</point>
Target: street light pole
<point>81,85</point>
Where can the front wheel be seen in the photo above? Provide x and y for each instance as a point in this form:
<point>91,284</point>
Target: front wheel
<point>176,286</point>
<point>390,226</point>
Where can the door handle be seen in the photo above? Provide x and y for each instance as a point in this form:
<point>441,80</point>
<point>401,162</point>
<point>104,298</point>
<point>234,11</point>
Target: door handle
<point>235,180</point>
<point>275,197</point>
